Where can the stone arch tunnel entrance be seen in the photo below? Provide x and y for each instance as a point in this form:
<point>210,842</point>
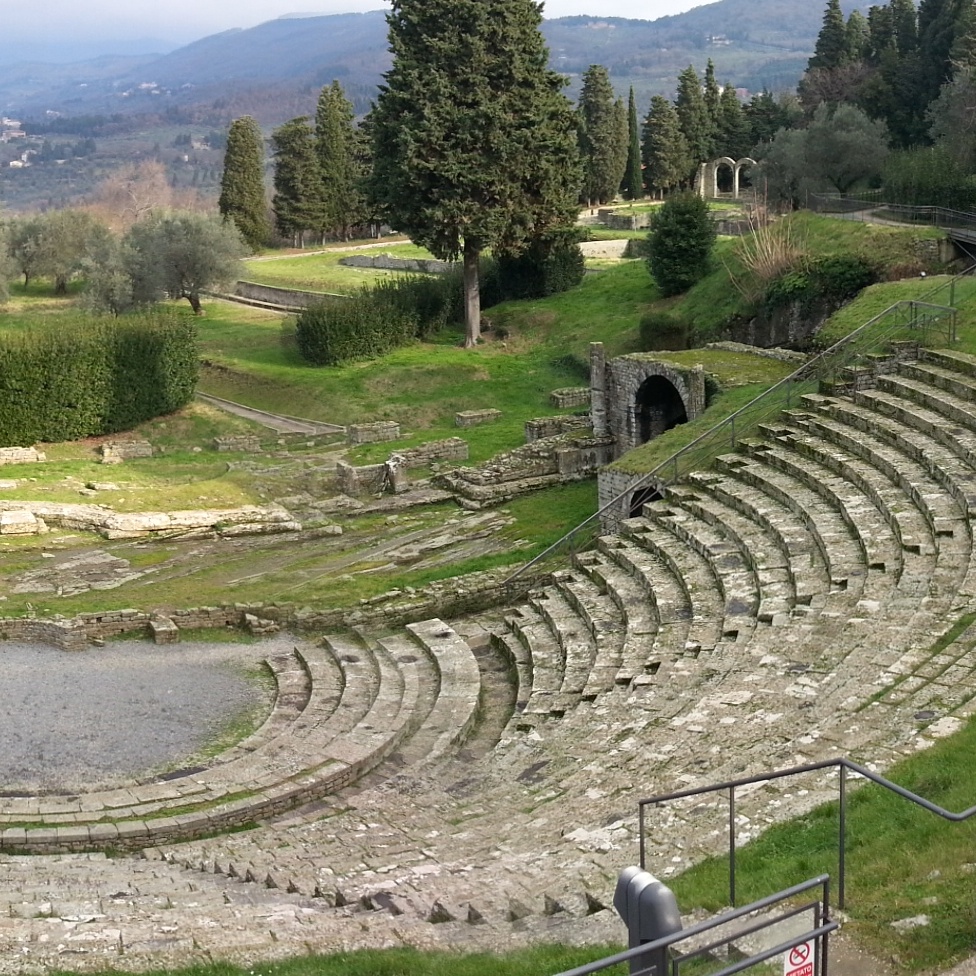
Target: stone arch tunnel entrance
<point>658,407</point>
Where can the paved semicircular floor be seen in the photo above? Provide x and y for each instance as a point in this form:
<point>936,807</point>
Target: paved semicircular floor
<point>73,722</point>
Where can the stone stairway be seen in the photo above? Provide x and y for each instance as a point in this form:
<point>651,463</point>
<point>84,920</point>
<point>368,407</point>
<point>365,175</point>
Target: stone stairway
<point>782,607</point>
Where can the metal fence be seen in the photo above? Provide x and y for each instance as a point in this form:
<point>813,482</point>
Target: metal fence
<point>843,766</point>
<point>690,950</point>
<point>918,322</point>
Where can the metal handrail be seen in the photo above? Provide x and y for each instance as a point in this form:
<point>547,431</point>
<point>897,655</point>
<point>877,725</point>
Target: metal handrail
<point>825,927</point>
<point>842,765</point>
<point>805,379</point>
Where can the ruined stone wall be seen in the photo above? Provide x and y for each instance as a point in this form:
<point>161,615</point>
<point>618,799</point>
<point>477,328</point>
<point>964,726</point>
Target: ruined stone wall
<point>289,297</point>
<point>20,455</point>
<point>422,456</point>
<point>115,452</point>
<point>553,426</point>
<point>364,479</point>
<point>386,262</point>
<point>626,375</point>
<point>383,430</point>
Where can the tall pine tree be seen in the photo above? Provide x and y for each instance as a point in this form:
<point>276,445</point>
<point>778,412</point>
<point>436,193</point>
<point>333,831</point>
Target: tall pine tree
<point>693,117</point>
<point>633,184</point>
<point>335,138</point>
<point>242,197</point>
<point>599,136</point>
<point>474,140</point>
<point>664,149</point>
<point>297,201</point>
<point>832,49</point>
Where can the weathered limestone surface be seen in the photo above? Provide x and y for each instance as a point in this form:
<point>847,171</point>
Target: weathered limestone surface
<point>118,451</point>
<point>246,520</point>
<point>780,608</point>
<point>21,455</point>
<point>471,418</point>
<point>384,430</point>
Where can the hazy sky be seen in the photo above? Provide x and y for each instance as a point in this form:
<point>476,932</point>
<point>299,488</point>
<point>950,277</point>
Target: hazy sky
<point>186,20</point>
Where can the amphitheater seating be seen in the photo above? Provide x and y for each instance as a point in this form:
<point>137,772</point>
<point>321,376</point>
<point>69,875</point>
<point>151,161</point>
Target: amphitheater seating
<point>782,606</point>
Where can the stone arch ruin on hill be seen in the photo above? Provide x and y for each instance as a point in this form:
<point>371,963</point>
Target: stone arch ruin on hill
<point>709,174</point>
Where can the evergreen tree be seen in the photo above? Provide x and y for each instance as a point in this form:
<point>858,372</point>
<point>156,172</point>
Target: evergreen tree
<point>297,201</point>
<point>693,118</point>
<point>473,140</point>
<point>664,149</point>
<point>905,26</point>
<point>242,197</point>
<point>599,136</point>
<point>733,137</point>
<point>680,243</point>
<point>623,141</point>
<point>335,138</point>
<point>831,50</point>
<point>765,117</point>
<point>712,93</point>
<point>858,36</point>
<point>938,21</point>
<point>633,184</point>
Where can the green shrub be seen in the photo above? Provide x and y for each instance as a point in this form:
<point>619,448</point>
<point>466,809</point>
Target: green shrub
<point>546,267</point>
<point>361,328</point>
<point>928,177</point>
<point>94,377</point>
<point>826,282</point>
<point>664,330</point>
<point>680,243</point>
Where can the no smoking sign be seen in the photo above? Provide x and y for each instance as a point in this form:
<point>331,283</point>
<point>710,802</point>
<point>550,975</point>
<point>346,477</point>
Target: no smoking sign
<point>799,960</point>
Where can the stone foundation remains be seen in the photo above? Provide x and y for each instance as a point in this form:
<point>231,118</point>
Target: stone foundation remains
<point>552,427</point>
<point>116,452</point>
<point>247,443</point>
<point>21,455</point>
<point>569,397</point>
<point>384,430</point>
<point>471,418</point>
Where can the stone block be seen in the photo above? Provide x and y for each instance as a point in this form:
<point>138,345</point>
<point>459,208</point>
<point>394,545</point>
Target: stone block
<point>471,418</point>
<point>569,397</point>
<point>115,452</point>
<point>164,631</point>
<point>247,443</point>
<point>20,455</point>
<point>384,430</point>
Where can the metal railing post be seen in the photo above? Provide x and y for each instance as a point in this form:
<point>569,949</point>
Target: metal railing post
<point>640,825</point>
<point>732,846</point>
<point>825,917</point>
<point>842,849</point>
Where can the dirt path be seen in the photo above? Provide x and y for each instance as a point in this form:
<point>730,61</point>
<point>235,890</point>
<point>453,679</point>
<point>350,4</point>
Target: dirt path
<point>278,422</point>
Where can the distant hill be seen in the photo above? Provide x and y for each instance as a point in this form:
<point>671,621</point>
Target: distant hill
<point>754,44</point>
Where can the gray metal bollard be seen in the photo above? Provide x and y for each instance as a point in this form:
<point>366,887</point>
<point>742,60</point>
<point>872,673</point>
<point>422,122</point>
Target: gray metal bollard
<point>650,912</point>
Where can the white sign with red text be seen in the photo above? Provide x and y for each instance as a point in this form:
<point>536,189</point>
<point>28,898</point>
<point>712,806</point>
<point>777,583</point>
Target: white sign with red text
<point>799,960</point>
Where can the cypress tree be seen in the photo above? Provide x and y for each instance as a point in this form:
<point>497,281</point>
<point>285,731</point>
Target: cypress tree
<point>474,143</point>
<point>335,147</point>
<point>733,136</point>
<point>712,94</point>
<point>831,50</point>
<point>665,152</point>
<point>242,196</point>
<point>297,201</point>
<point>633,185</point>
<point>599,136</point>
<point>693,117</point>
<point>622,141</point>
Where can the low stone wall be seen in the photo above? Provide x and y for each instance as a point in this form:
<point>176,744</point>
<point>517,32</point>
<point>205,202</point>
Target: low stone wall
<point>604,249</point>
<point>471,418</point>
<point>552,427</point>
<point>202,523</point>
<point>445,598</point>
<point>21,455</point>
<point>625,221</point>
<point>288,297</point>
<point>365,479</point>
<point>115,452</point>
<point>386,262</point>
<point>248,443</point>
<point>569,397</point>
<point>773,352</point>
<point>384,430</point>
<point>449,449</point>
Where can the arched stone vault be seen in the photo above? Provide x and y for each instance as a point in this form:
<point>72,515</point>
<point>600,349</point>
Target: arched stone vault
<point>635,398</point>
<point>707,182</point>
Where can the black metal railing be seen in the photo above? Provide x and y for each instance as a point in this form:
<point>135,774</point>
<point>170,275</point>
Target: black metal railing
<point>843,766</point>
<point>871,206</point>
<point>916,321</point>
<point>701,948</point>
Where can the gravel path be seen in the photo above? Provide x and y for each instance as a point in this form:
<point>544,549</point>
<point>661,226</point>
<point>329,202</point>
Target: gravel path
<point>91,720</point>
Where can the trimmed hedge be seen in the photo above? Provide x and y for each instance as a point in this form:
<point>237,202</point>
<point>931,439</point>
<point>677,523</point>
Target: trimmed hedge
<point>84,378</point>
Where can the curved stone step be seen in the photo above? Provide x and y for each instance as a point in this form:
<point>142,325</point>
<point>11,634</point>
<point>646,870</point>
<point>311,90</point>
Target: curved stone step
<point>637,607</point>
<point>806,562</point>
<point>896,495</point>
<point>880,548</point>
<point>776,595</point>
